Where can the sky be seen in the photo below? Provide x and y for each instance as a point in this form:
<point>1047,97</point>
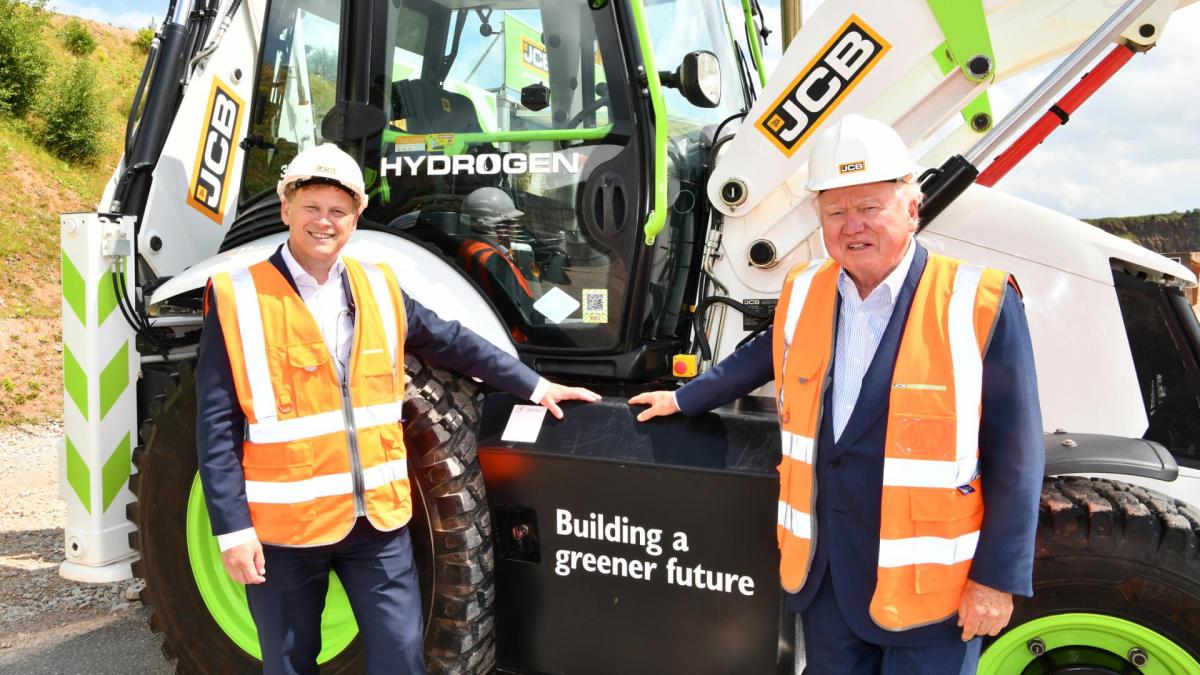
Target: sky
<point>1133,149</point>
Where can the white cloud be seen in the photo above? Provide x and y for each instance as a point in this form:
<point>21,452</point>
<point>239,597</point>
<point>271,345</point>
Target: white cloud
<point>118,17</point>
<point>1134,147</point>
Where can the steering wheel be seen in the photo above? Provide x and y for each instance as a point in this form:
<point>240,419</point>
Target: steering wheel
<point>588,109</point>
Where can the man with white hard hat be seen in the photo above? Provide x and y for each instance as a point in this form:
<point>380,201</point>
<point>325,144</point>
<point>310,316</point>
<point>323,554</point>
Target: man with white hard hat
<point>912,450</point>
<point>300,384</point>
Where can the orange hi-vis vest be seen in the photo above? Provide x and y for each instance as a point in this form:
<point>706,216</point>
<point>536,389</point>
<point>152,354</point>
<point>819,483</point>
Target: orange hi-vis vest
<point>932,505</point>
<point>476,256</point>
<point>317,445</point>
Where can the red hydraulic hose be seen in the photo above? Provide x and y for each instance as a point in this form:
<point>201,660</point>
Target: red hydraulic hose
<point>1056,116</point>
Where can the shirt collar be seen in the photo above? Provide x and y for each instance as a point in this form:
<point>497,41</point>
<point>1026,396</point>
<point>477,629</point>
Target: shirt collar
<point>299,274</point>
<point>893,282</point>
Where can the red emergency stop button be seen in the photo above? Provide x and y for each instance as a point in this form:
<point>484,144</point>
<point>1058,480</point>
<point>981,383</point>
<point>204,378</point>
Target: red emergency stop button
<point>684,365</point>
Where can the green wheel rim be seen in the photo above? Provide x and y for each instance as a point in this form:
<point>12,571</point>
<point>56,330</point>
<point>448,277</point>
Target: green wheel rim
<point>1010,654</point>
<point>226,599</point>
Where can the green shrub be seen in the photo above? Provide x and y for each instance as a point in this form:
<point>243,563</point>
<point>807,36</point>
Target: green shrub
<point>78,38</point>
<point>142,39</point>
<point>23,56</point>
<point>72,114</point>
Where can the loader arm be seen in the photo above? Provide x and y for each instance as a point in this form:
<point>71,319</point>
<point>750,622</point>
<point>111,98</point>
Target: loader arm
<point>884,60</point>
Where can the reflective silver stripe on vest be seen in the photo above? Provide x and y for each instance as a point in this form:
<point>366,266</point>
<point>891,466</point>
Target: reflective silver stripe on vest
<point>300,491</point>
<point>797,447</point>
<point>968,370</point>
<point>311,426</point>
<point>383,296</point>
<point>928,473</point>
<point>254,345</point>
<point>927,550</point>
<point>799,295</point>
<point>798,523</point>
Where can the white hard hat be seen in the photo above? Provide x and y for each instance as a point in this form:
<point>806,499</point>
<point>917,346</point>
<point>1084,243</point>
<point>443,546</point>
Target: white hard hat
<point>857,150</point>
<point>325,163</point>
<point>489,206</point>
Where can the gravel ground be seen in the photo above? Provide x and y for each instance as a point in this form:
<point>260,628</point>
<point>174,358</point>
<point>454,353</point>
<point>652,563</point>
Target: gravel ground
<point>40,612</point>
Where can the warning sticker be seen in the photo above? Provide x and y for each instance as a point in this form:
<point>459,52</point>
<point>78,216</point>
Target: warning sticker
<point>438,142</point>
<point>556,305</point>
<point>595,305</point>
<point>410,144</point>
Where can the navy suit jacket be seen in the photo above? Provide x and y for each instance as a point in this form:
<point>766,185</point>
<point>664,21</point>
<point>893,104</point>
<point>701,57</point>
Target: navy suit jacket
<point>850,471</point>
<point>220,424</point>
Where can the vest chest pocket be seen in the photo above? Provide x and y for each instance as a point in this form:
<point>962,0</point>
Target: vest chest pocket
<point>376,376</point>
<point>311,379</point>
<point>278,462</point>
<point>921,437</point>
<point>801,392</point>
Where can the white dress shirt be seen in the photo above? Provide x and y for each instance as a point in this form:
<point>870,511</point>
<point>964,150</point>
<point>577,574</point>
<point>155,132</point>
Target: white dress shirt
<point>861,322</point>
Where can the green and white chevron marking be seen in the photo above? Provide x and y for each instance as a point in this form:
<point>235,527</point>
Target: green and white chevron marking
<point>100,369</point>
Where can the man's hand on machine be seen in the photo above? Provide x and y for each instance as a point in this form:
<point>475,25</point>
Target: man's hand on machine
<point>558,392</point>
<point>661,403</point>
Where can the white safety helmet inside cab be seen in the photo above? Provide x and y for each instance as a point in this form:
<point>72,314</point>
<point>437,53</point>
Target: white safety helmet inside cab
<point>490,206</point>
<point>325,163</point>
<point>857,150</point>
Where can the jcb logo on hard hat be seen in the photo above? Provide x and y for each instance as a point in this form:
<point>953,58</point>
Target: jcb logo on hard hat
<point>852,167</point>
<point>822,85</point>
<point>214,157</point>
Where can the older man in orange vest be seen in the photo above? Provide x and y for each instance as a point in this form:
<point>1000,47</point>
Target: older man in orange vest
<point>300,384</point>
<point>911,434</point>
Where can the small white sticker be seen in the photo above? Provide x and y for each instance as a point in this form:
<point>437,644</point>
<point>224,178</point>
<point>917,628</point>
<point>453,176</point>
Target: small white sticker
<point>524,424</point>
<point>556,305</point>
<point>595,305</point>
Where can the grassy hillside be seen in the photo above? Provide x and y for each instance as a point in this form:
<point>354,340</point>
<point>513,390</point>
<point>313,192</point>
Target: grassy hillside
<point>1173,232</point>
<point>35,187</point>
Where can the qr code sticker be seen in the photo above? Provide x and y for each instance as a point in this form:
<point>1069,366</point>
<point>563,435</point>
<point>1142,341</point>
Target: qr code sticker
<point>595,305</point>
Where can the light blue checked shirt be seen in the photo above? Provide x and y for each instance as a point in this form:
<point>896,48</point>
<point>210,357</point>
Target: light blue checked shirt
<point>860,328</point>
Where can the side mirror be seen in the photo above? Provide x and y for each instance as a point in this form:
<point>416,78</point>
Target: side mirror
<point>698,78</point>
<point>535,96</point>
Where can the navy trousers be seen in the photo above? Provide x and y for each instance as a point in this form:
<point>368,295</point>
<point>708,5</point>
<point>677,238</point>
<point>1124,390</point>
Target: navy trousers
<point>376,568</point>
<point>832,648</point>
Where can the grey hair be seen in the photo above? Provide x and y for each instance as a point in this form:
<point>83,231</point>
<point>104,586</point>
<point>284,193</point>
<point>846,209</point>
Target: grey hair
<point>908,189</point>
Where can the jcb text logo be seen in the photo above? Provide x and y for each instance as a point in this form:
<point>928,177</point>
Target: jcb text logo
<point>534,56</point>
<point>822,85</point>
<point>214,157</point>
<point>852,167</point>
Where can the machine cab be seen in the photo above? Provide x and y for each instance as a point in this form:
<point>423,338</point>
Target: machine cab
<point>518,140</point>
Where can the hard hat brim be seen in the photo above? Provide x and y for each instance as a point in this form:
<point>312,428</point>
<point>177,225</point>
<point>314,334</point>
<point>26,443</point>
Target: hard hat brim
<point>299,181</point>
<point>851,179</point>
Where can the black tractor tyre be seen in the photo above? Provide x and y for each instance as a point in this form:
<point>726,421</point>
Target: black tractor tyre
<point>451,530</point>
<point>452,525</point>
<point>1111,548</point>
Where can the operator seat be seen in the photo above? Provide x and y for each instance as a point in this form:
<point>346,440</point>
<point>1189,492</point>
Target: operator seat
<point>428,108</point>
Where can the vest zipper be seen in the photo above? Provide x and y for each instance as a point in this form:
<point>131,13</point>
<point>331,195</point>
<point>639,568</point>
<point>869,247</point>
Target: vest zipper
<point>356,470</point>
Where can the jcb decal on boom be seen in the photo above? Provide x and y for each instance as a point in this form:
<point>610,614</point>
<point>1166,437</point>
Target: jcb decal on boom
<point>820,87</point>
<point>214,157</point>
